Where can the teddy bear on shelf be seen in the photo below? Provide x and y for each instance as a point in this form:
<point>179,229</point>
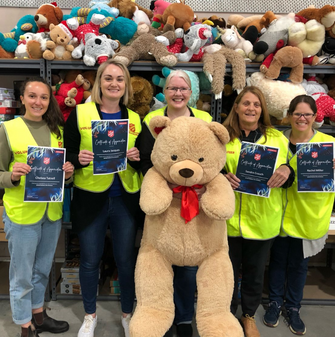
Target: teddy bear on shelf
<point>145,46</point>
<point>59,46</point>
<point>187,202</point>
<point>47,14</point>
<point>31,46</point>
<point>142,95</point>
<point>68,95</point>
<point>127,8</point>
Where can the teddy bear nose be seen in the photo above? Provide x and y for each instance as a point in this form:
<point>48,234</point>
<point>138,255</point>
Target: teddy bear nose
<point>186,173</point>
<point>97,41</point>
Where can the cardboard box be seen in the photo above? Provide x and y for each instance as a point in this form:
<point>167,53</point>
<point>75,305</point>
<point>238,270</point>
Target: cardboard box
<point>115,290</point>
<point>9,103</point>
<point>70,275</point>
<point>69,288</point>
<point>70,266</point>
<point>7,111</point>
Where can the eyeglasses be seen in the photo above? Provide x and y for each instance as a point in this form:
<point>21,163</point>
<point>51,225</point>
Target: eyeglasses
<point>297,115</point>
<point>175,89</point>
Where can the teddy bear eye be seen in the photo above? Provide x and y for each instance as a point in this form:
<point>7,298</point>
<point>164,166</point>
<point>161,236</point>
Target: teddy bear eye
<point>174,157</point>
<point>201,160</point>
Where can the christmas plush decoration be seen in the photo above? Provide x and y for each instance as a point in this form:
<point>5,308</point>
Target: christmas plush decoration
<point>215,59</point>
<point>145,46</point>
<point>59,47</point>
<point>278,94</point>
<point>287,56</point>
<point>142,95</point>
<point>31,46</point>
<point>68,95</point>
<point>187,201</point>
<point>47,14</point>
<point>326,108</point>
<point>324,15</point>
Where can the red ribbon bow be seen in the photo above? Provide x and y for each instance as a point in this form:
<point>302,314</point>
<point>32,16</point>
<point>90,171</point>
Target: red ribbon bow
<point>189,201</point>
<point>22,42</point>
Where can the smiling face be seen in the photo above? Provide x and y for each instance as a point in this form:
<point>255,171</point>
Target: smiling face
<point>302,124</point>
<point>112,83</point>
<point>177,100</point>
<point>36,99</point>
<point>249,111</point>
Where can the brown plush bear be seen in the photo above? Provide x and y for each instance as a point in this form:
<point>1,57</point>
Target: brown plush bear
<point>142,95</point>
<point>47,14</point>
<point>59,47</point>
<point>127,8</point>
<point>184,172</point>
<point>287,56</point>
<point>145,46</point>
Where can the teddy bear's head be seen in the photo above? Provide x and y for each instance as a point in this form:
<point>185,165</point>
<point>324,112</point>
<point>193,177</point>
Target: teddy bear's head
<point>181,151</point>
<point>47,14</point>
<point>60,34</point>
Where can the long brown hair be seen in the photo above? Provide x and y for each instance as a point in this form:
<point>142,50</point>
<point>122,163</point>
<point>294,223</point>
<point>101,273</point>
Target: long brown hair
<point>232,122</point>
<point>53,116</point>
<point>302,99</point>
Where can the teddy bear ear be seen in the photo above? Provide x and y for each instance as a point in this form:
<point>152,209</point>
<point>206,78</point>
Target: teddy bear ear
<point>220,131</point>
<point>158,123</point>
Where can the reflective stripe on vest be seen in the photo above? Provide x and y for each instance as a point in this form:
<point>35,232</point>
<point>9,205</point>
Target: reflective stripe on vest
<point>257,217</point>
<point>205,116</point>
<point>307,215</point>
<point>18,211</point>
<point>84,178</point>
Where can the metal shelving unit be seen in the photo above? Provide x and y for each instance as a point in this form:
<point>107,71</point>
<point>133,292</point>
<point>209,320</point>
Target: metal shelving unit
<point>22,67</point>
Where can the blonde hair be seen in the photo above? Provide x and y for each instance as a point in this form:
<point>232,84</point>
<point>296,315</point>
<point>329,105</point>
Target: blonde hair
<point>232,122</point>
<point>178,73</point>
<point>96,90</point>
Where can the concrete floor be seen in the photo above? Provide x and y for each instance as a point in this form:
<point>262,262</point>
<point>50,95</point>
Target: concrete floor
<point>318,320</point>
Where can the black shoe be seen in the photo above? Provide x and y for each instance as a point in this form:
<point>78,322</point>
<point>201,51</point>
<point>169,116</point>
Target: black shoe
<point>184,330</point>
<point>296,325</point>
<point>30,333</point>
<point>50,325</point>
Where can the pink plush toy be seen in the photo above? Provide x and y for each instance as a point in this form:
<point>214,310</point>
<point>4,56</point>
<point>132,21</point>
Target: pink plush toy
<point>160,6</point>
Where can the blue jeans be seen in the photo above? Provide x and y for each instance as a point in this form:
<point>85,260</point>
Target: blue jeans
<point>287,272</point>
<point>32,249</point>
<point>117,217</point>
<point>184,283</point>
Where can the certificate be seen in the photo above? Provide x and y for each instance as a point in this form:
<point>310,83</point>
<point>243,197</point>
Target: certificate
<point>45,181</point>
<point>315,171</point>
<point>110,144</point>
<point>255,167</point>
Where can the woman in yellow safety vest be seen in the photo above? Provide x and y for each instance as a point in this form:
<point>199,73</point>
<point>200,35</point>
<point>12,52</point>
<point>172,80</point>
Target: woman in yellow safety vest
<point>304,227</point>
<point>102,201</point>
<point>32,229</point>
<point>256,221</point>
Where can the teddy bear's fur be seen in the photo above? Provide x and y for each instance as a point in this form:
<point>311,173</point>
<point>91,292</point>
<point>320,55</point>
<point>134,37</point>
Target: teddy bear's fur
<point>181,159</point>
<point>47,14</point>
<point>144,42</point>
<point>215,59</point>
<point>287,56</point>
<point>59,47</point>
<point>324,15</point>
<point>142,95</point>
<point>127,8</point>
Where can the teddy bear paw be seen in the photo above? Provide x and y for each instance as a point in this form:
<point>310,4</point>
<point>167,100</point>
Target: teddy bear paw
<point>169,60</point>
<point>124,60</point>
<point>79,79</point>
<point>70,102</point>
<point>218,95</point>
<point>72,23</point>
<point>97,19</point>
<point>72,93</point>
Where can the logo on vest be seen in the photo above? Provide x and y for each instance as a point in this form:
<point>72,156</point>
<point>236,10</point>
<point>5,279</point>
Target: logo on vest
<point>132,129</point>
<point>60,144</point>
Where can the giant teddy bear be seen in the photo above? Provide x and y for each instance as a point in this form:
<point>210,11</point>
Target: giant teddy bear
<point>184,171</point>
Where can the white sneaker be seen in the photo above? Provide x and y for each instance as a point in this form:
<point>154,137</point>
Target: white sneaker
<point>125,323</point>
<point>88,326</point>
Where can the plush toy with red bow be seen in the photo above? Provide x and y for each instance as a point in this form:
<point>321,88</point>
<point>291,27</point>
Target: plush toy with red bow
<point>187,202</point>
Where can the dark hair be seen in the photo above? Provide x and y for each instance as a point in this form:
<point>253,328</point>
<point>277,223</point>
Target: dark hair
<point>53,116</point>
<point>302,99</point>
<point>232,122</point>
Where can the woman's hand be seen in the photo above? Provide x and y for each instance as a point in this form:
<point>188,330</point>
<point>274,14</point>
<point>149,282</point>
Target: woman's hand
<point>133,154</point>
<point>19,170</point>
<point>234,181</point>
<point>85,157</point>
<point>68,168</point>
<point>279,176</point>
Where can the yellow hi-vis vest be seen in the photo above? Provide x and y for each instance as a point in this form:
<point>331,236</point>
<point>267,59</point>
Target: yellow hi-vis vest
<point>306,215</point>
<point>205,116</point>
<point>18,211</point>
<point>83,177</point>
<point>256,217</point>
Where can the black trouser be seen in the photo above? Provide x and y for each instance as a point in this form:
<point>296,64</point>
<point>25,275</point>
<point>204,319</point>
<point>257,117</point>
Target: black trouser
<point>252,254</point>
